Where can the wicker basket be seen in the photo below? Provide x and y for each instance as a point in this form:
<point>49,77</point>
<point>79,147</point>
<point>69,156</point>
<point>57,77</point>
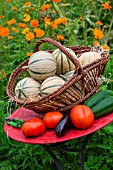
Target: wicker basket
<point>77,89</point>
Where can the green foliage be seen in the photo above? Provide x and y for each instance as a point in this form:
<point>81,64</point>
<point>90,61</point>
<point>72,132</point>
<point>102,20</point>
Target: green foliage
<point>77,31</point>
<point>100,149</point>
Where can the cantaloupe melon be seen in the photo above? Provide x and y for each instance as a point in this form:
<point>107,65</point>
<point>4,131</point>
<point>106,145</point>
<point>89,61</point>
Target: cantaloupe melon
<point>27,88</point>
<point>88,57</point>
<point>68,75</point>
<point>64,64</point>
<point>51,84</point>
<point>42,65</point>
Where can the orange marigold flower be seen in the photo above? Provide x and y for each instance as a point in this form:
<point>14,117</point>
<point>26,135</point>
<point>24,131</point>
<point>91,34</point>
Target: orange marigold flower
<point>25,30</point>
<point>106,47</point>
<point>80,18</point>
<point>64,20</point>
<point>30,54</point>
<point>30,36</point>
<point>15,30</point>
<point>22,25</point>
<point>26,17</point>
<point>96,43</point>
<point>4,31</point>
<point>106,5</point>
<point>58,21</point>
<point>14,8</point>
<point>8,0</point>
<point>36,29</point>
<point>12,21</point>
<point>27,4</point>
<point>47,21</point>
<point>10,37</point>
<point>39,32</point>
<point>45,7</point>
<point>54,26</point>
<point>98,34</point>
<point>1,17</point>
<point>57,0</point>
<point>60,37</point>
<point>99,23</point>
<point>34,23</point>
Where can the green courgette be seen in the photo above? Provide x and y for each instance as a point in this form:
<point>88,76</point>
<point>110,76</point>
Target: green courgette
<point>100,103</point>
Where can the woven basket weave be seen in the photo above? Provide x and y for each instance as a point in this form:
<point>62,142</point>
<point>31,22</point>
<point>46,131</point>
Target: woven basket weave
<point>77,89</point>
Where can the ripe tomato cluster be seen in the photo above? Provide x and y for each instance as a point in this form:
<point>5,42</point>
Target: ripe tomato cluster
<point>36,126</point>
<point>81,116</point>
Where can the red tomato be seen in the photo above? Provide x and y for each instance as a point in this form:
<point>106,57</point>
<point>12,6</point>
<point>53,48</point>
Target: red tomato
<point>33,127</point>
<point>52,118</point>
<point>82,116</point>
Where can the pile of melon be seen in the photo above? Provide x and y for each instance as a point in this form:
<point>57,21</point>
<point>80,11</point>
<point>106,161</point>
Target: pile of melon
<point>48,72</point>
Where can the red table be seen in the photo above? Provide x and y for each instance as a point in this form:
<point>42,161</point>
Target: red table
<point>49,137</point>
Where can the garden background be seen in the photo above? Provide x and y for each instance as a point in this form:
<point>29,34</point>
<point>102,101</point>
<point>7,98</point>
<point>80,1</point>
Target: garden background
<point>72,22</point>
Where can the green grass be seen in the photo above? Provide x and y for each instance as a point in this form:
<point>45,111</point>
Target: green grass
<point>20,156</point>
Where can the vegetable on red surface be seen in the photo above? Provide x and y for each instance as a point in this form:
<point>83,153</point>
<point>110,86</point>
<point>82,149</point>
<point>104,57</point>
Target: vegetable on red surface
<point>82,116</point>
<point>33,127</point>
<point>101,103</point>
<point>52,118</point>
<point>63,126</point>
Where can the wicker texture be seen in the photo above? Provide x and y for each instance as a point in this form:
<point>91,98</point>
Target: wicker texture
<point>80,86</point>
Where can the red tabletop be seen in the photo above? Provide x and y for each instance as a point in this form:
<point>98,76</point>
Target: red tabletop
<point>49,136</point>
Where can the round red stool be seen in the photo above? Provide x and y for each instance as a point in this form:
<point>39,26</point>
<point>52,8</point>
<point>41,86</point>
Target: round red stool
<point>49,138</point>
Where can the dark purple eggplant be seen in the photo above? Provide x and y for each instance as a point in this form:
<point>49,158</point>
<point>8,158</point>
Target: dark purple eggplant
<point>63,125</point>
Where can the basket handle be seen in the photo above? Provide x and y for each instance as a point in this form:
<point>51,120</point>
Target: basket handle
<point>58,45</point>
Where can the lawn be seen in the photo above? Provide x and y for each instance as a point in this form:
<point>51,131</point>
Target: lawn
<point>71,23</point>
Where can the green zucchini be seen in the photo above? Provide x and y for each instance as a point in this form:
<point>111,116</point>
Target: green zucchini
<point>100,103</point>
